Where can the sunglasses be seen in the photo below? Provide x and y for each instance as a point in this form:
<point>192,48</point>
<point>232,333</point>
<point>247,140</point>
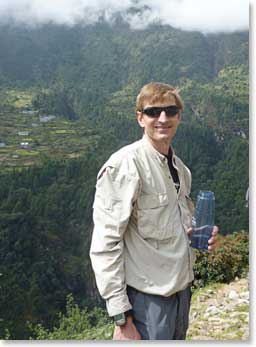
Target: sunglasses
<point>155,112</point>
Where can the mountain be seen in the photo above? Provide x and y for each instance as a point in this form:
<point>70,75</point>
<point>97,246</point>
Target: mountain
<point>87,78</point>
<point>92,74</point>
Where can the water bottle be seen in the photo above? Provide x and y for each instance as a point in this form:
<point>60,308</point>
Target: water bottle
<point>203,220</point>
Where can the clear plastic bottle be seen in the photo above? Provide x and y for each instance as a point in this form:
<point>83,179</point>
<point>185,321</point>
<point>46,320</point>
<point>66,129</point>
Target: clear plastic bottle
<point>203,220</point>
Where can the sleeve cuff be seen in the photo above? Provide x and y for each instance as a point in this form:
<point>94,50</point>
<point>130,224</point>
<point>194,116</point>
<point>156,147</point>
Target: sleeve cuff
<point>118,304</point>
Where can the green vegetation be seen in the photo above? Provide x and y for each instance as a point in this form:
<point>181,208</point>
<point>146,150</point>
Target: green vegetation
<point>45,237</point>
<point>82,324</point>
<point>230,260</point>
<point>57,138</point>
<point>88,78</point>
<point>76,324</point>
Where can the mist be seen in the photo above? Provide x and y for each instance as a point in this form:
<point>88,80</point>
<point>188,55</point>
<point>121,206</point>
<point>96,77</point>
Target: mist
<point>201,15</point>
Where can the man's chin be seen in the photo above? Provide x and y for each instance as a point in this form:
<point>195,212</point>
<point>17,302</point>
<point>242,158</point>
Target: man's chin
<point>165,137</point>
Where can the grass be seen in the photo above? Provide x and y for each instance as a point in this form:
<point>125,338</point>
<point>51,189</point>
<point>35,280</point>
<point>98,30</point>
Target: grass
<point>65,131</point>
<point>243,308</point>
<point>198,293</point>
<point>18,98</point>
<point>25,153</point>
<point>27,139</point>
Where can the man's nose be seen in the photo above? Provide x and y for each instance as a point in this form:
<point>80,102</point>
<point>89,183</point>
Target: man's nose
<point>162,117</point>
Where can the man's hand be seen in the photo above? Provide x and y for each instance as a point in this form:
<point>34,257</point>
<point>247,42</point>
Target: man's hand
<point>127,331</point>
<point>212,240</point>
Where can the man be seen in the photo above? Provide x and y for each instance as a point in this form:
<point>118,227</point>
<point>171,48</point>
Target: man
<point>140,249</point>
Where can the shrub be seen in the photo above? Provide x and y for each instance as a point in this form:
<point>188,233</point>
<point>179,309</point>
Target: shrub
<point>76,324</point>
<point>229,260</point>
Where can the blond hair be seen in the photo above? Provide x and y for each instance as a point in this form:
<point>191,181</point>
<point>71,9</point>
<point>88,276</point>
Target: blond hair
<point>156,92</point>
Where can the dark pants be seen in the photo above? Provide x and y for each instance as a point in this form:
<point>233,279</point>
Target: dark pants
<point>160,318</point>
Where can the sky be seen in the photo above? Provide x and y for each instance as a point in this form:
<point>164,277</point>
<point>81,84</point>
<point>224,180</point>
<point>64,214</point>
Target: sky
<point>207,16</point>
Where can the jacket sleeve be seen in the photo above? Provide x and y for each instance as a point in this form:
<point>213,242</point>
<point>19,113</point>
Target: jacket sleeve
<point>113,204</point>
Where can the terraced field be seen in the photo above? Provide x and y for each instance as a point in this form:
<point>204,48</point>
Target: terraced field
<point>26,136</point>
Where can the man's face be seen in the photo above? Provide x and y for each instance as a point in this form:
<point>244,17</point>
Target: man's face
<point>159,129</point>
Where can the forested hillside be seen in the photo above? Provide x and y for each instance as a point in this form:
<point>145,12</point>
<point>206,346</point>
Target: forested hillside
<point>88,78</point>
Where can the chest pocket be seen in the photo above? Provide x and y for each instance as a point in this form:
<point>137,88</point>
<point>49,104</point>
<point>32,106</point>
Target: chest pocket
<point>154,220</point>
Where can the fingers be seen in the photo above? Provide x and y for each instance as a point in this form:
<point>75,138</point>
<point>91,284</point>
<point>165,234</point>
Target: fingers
<point>215,230</point>
<point>214,235</point>
<point>189,231</point>
<point>211,248</point>
<point>212,241</point>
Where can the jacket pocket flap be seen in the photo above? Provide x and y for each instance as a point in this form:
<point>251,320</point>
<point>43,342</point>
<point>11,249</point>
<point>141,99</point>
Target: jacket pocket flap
<point>152,201</point>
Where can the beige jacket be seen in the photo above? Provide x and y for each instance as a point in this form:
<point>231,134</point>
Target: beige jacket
<point>140,225</point>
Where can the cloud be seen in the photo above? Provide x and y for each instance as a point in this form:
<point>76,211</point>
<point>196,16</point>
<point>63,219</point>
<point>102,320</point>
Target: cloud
<point>202,15</point>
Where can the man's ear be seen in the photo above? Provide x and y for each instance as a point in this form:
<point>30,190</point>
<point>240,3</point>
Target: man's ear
<point>140,119</point>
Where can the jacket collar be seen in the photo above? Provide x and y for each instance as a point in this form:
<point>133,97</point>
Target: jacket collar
<point>159,156</point>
